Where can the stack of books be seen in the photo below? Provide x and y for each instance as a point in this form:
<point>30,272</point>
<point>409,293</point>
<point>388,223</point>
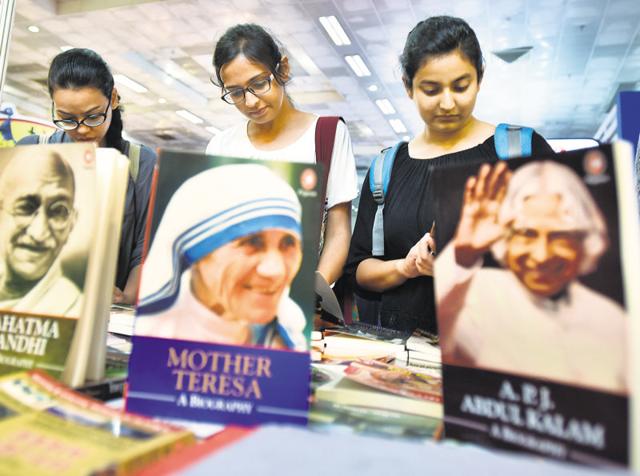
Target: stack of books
<point>358,341</point>
<point>421,352</point>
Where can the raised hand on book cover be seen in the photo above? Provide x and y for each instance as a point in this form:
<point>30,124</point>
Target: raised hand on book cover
<point>479,227</point>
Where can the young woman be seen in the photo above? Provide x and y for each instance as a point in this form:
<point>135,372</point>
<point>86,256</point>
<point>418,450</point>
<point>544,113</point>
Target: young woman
<point>442,72</point>
<point>252,72</point>
<point>86,107</point>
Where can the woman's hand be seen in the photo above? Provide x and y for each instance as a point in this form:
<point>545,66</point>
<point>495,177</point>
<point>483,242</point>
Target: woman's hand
<point>118,296</point>
<point>478,227</point>
<point>419,260</point>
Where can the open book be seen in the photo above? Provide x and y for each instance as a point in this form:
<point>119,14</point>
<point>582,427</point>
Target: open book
<point>60,224</point>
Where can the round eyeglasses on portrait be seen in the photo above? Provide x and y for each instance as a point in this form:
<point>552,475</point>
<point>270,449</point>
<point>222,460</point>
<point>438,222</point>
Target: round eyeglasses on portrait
<point>25,210</point>
<point>257,87</point>
<point>92,120</point>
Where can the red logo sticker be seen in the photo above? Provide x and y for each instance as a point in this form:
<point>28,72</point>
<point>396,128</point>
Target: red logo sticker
<point>594,163</point>
<point>308,179</point>
<point>88,157</point>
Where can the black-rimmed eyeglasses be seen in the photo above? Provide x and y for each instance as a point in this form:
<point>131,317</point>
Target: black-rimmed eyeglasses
<point>92,120</point>
<point>257,87</point>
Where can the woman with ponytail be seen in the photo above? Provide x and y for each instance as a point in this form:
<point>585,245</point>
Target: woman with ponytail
<point>86,108</point>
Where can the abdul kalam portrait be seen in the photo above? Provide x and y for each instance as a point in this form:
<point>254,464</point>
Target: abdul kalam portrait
<point>222,261</point>
<point>532,316</point>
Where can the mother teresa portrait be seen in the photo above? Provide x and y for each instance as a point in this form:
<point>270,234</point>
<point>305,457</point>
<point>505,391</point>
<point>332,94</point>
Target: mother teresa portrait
<point>223,258</point>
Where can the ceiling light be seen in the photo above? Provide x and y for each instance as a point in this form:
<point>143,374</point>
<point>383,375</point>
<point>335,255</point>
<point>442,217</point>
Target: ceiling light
<point>128,83</point>
<point>509,55</point>
<point>373,88</point>
<point>365,130</point>
<point>357,65</point>
<point>385,106</point>
<point>162,100</point>
<point>398,126</point>
<point>33,29</point>
<point>334,30</point>
<point>183,113</point>
<point>213,130</point>
<point>66,47</point>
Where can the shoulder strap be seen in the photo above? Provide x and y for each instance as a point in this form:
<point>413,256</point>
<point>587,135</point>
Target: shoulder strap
<point>43,138</point>
<point>513,141</point>
<point>379,177</point>
<point>134,160</point>
<point>325,137</point>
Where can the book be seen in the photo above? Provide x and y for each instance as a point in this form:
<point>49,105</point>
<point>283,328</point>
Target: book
<point>343,389</point>
<point>226,301</point>
<point>121,319</point>
<point>394,379</point>
<point>537,305</point>
<point>410,357</point>
<point>332,417</point>
<point>425,345</point>
<point>339,347</point>
<point>47,428</point>
<point>61,218</point>
<point>372,332</point>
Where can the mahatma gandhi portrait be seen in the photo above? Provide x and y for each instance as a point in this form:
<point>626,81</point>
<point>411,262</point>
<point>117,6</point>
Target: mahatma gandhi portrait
<point>37,215</point>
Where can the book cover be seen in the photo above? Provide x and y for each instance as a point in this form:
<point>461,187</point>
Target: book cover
<point>47,428</point>
<point>395,379</point>
<point>342,389</point>
<point>534,303</point>
<point>226,300</point>
<point>59,218</point>
<point>46,222</point>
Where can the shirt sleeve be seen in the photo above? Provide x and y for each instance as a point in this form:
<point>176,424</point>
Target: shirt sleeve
<point>148,161</point>
<point>360,247</point>
<point>214,147</point>
<point>342,183</point>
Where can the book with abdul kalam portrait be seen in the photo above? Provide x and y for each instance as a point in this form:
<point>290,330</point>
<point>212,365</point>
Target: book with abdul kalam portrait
<point>536,292</point>
<point>60,213</point>
<point>226,297</point>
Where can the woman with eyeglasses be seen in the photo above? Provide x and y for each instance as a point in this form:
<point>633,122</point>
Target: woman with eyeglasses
<point>253,72</point>
<point>86,108</point>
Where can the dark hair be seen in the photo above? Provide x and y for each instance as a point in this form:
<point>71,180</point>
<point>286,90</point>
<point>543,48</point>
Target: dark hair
<point>254,43</point>
<point>437,36</point>
<point>80,68</point>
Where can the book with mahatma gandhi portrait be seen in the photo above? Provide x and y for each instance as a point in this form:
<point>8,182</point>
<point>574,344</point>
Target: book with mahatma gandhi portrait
<point>60,213</point>
<point>536,293</point>
<point>226,298</point>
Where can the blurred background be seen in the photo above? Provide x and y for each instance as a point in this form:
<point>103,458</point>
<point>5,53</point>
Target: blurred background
<point>555,65</point>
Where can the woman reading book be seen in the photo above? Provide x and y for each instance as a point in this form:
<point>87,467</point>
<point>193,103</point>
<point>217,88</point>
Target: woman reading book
<point>442,68</point>
<point>86,108</point>
<point>252,72</point>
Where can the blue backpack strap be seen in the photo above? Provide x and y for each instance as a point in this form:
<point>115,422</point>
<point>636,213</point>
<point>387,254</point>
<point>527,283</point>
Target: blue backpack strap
<point>513,141</point>
<point>379,176</point>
